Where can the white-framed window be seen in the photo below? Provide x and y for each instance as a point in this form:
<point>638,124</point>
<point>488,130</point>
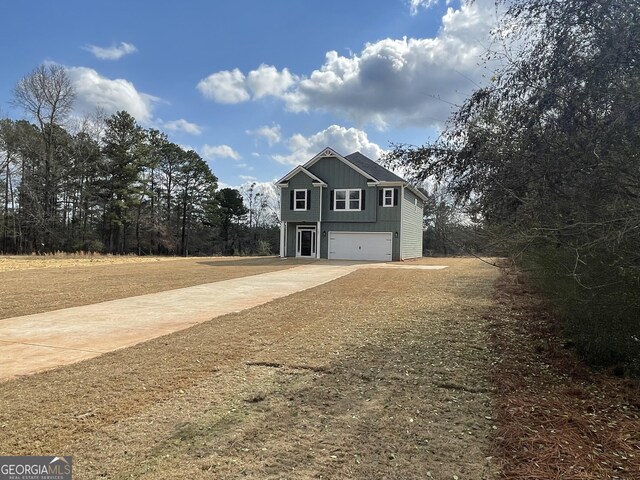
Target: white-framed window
<point>387,197</point>
<point>347,200</point>
<point>300,200</point>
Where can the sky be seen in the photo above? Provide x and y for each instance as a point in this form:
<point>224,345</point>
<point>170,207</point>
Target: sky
<point>257,87</point>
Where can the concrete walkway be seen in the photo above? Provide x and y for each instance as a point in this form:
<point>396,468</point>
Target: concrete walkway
<point>34,343</point>
<point>38,342</point>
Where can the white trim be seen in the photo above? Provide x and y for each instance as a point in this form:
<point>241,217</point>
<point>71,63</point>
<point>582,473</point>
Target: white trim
<point>347,199</point>
<point>319,225</point>
<point>384,196</point>
<point>413,189</point>
<point>297,170</point>
<point>401,201</point>
<point>296,200</point>
<point>283,226</point>
<point>314,235</point>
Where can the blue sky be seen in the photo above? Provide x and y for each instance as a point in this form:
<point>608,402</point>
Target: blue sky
<point>256,87</point>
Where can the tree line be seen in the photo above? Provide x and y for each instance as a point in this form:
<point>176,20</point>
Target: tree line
<point>547,158</point>
<point>108,185</point>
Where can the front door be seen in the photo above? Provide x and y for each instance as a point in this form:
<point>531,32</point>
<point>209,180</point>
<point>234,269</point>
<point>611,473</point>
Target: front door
<point>306,241</point>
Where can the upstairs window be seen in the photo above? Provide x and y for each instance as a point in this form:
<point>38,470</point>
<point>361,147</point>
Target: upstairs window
<point>387,198</point>
<point>347,200</point>
<point>300,200</point>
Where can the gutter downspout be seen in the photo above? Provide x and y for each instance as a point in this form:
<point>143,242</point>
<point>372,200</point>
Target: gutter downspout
<point>401,221</point>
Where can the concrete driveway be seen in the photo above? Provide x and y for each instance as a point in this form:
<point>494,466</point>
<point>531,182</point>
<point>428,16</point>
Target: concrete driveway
<point>33,343</point>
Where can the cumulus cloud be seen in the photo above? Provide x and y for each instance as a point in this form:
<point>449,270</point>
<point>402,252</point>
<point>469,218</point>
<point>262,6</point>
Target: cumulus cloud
<point>114,52</point>
<point>271,134</point>
<point>416,5</point>
<point>225,87</point>
<point>407,81</point>
<point>267,80</point>
<point>403,81</point>
<point>342,140</point>
<point>232,86</point>
<point>95,91</point>
<point>212,152</point>
<point>182,125</point>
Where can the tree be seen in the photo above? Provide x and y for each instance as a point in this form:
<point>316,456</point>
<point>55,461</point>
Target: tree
<point>231,211</point>
<point>196,184</point>
<point>122,150</point>
<point>548,155</point>
<point>47,95</point>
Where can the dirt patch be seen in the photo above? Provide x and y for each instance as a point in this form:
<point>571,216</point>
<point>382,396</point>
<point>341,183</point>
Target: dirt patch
<point>41,284</point>
<point>379,374</point>
<point>557,419</point>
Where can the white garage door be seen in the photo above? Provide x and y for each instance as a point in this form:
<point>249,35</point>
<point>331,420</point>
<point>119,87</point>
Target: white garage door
<point>360,246</point>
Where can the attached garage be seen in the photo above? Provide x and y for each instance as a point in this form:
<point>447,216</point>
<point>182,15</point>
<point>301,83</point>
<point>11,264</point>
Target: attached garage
<point>361,246</point>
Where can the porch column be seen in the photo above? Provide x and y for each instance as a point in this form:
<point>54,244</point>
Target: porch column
<point>283,231</point>
<point>318,235</point>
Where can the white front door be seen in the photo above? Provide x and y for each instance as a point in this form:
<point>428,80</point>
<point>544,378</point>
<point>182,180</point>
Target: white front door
<point>361,246</point>
<point>305,241</point>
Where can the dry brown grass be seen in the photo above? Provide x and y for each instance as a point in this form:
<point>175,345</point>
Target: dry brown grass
<point>380,374</point>
<point>33,284</point>
<point>558,419</point>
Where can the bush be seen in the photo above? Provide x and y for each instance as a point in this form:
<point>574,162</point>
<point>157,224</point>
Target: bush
<point>596,302</point>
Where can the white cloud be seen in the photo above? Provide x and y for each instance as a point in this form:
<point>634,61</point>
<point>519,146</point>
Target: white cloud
<point>266,80</point>
<point>225,87</point>
<point>407,81</point>
<point>114,52</point>
<point>342,140</point>
<point>211,152</point>
<point>182,125</point>
<point>415,5</point>
<point>271,134</point>
<point>248,178</point>
<point>231,86</point>
<point>95,91</point>
<point>403,81</point>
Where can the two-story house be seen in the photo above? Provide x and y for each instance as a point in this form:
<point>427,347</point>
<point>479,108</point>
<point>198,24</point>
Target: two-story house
<point>349,208</point>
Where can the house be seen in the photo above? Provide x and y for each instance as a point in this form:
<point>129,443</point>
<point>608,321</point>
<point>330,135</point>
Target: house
<point>349,208</point>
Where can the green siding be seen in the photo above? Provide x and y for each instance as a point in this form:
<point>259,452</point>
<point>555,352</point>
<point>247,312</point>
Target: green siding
<point>300,181</point>
<point>338,175</point>
<point>374,218</point>
<point>412,219</point>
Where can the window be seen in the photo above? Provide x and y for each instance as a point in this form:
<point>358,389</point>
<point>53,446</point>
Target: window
<point>347,200</point>
<point>387,198</point>
<point>300,200</point>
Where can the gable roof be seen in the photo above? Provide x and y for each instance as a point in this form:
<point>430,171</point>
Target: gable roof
<point>374,169</point>
<point>297,170</point>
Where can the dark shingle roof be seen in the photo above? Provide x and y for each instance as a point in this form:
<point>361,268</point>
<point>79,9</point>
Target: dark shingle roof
<point>374,169</point>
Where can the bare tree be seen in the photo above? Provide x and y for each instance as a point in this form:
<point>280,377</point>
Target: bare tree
<point>47,95</point>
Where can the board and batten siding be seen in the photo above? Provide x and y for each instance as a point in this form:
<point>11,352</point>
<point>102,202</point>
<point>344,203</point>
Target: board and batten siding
<point>302,182</point>
<point>338,176</point>
<point>412,219</point>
